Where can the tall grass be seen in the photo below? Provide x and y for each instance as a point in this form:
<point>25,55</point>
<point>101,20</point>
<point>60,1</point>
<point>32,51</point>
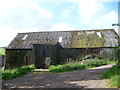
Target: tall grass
<point>16,72</point>
<point>66,67</point>
<point>113,76</point>
<point>78,65</point>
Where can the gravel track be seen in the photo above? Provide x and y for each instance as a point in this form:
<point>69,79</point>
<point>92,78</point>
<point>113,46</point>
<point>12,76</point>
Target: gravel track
<point>88,78</point>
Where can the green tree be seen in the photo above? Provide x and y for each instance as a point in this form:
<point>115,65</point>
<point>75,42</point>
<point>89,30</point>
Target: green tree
<point>2,51</point>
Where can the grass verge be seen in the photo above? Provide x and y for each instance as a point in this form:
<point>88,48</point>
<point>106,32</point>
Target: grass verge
<point>78,65</point>
<point>16,72</point>
<point>112,76</point>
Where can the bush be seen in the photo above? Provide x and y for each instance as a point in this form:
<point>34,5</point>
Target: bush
<point>13,73</point>
<point>2,51</point>
<point>117,53</point>
<point>78,65</point>
<point>113,75</point>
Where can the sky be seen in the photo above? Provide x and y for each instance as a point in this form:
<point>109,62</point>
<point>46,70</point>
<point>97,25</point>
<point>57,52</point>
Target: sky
<point>17,16</point>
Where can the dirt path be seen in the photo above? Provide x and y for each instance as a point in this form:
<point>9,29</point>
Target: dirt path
<point>88,78</point>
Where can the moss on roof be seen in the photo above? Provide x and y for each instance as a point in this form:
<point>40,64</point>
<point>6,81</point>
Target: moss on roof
<point>87,40</point>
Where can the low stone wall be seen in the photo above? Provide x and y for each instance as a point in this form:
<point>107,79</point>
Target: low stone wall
<point>18,58</point>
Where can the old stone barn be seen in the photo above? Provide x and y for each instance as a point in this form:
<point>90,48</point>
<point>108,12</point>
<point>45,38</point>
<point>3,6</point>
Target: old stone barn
<point>57,47</point>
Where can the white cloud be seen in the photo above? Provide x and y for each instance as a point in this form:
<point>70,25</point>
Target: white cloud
<point>91,0</point>
<point>66,13</point>
<point>6,35</point>
<point>61,26</point>
<point>105,21</point>
<point>102,22</point>
<point>87,8</point>
<point>94,15</point>
<point>6,5</point>
<point>90,9</point>
<point>21,16</point>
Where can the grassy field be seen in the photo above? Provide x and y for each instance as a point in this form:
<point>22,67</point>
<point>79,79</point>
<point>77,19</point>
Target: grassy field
<point>78,65</point>
<point>16,72</point>
<point>112,76</point>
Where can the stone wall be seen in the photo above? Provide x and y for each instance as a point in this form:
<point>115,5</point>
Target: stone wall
<point>2,60</point>
<point>108,53</point>
<point>77,53</point>
<point>18,58</point>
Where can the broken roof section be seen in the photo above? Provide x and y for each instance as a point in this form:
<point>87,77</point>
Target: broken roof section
<point>68,39</point>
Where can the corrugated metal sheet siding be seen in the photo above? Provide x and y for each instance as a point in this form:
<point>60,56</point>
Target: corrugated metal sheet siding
<point>33,38</point>
<point>68,38</point>
<point>110,39</point>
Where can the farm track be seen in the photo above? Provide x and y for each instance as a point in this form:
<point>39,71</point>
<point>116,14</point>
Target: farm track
<point>88,78</point>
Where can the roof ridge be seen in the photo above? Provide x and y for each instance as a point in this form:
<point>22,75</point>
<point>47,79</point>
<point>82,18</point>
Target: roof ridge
<point>65,31</point>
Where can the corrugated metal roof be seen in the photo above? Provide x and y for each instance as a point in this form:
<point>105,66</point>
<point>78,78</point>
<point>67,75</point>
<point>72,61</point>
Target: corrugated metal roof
<point>70,39</point>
